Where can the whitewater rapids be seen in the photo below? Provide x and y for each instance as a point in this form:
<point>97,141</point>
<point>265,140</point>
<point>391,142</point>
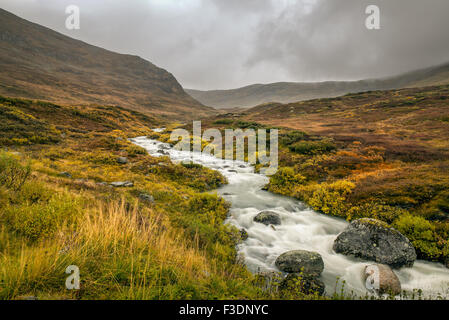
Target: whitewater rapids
<point>301,228</point>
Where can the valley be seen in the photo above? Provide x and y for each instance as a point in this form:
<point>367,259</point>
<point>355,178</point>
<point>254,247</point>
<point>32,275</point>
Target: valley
<point>287,92</point>
<point>89,177</point>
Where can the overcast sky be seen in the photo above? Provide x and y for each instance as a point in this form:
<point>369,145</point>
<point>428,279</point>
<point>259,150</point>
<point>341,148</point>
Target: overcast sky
<point>221,44</point>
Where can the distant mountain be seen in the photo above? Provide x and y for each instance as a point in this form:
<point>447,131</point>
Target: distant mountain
<point>285,92</point>
<point>39,63</point>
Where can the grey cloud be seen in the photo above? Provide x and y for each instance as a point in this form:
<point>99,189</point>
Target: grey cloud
<point>210,44</point>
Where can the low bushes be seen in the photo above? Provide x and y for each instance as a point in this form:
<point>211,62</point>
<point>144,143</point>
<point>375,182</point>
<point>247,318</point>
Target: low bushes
<point>422,235</point>
<point>284,180</point>
<point>41,220</point>
<point>224,122</point>
<point>12,173</point>
<point>291,137</point>
<point>376,211</point>
<point>313,147</point>
<point>203,221</point>
<point>329,198</point>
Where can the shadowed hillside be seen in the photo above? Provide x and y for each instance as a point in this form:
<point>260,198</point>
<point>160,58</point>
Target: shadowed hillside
<point>285,92</point>
<point>38,63</point>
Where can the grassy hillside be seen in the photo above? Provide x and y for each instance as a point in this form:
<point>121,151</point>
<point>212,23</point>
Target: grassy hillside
<point>163,237</point>
<point>39,63</point>
<point>285,92</point>
<point>375,154</point>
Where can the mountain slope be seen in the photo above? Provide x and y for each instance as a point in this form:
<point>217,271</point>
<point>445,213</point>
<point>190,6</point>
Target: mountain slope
<point>285,92</point>
<point>39,63</point>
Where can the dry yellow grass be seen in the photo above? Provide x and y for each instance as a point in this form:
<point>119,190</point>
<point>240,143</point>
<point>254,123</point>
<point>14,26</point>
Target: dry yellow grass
<point>112,237</point>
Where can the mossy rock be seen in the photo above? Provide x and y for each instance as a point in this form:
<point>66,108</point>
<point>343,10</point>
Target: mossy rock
<point>374,240</point>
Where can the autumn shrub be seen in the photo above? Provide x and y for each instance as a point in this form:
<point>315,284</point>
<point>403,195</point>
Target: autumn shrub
<point>292,137</point>
<point>422,235</point>
<point>13,174</point>
<point>313,147</point>
<point>4,197</point>
<point>376,211</point>
<point>134,151</point>
<point>192,175</point>
<point>209,208</point>
<point>32,192</point>
<point>41,220</point>
<point>191,165</point>
<point>284,180</point>
<point>248,124</point>
<point>203,222</point>
<point>328,198</point>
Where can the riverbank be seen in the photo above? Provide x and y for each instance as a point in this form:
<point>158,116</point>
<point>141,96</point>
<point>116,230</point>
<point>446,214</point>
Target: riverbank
<point>380,155</point>
<point>301,228</point>
<point>75,191</point>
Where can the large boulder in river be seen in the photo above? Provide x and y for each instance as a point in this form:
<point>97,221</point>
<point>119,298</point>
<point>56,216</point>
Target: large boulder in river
<point>374,240</point>
<point>382,279</point>
<point>299,261</point>
<point>268,217</point>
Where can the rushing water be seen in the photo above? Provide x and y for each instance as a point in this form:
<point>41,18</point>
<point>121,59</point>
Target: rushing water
<point>301,228</point>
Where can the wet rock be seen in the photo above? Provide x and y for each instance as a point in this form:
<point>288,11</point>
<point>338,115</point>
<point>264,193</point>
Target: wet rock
<point>303,284</point>
<point>374,240</point>
<point>243,234</point>
<point>122,160</point>
<point>122,184</point>
<point>65,174</point>
<point>446,263</point>
<point>233,171</point>
<point>268,217</point>
<point>388,281</point>
<point>164,147</point>
<point>145,197</point>
<point>310,264</point>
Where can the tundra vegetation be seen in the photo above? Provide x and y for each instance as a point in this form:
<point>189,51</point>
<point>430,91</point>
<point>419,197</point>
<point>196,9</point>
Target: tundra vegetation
<point>162,237</point>
<point>381,154</point>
